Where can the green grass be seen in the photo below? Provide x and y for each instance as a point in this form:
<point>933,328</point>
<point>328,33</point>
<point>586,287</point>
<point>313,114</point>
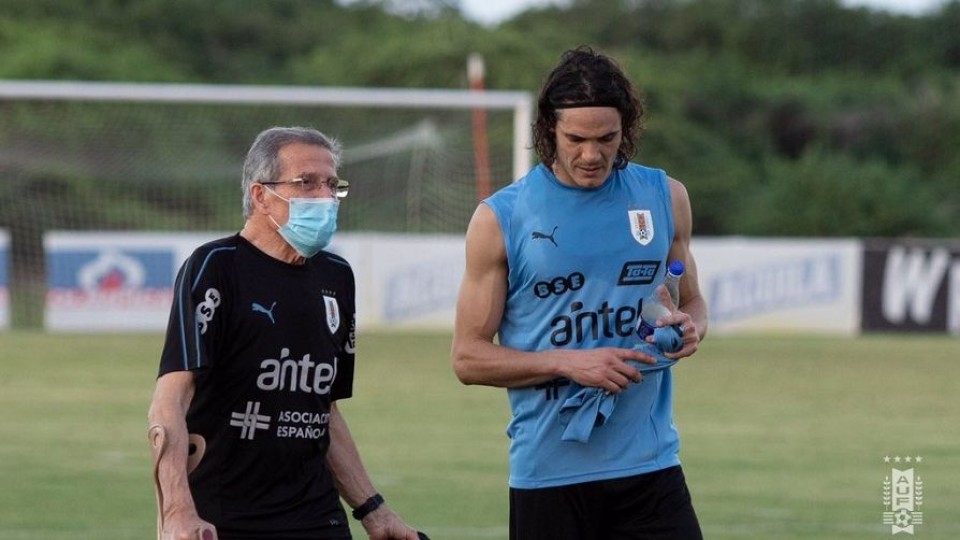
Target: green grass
<point>782,438</point>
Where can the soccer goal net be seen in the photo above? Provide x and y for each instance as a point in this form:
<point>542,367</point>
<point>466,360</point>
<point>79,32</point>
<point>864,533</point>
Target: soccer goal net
<point>167,157</point>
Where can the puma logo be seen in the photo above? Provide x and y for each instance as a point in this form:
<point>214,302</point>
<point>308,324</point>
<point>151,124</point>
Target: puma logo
<point>544,236</point>
<point>257,308</point>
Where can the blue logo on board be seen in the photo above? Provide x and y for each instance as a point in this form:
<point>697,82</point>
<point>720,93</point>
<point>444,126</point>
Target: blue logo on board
<point>110,270</point>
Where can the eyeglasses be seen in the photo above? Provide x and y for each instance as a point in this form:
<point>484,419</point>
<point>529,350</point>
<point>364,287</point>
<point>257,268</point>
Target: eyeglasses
<point>311,183</point>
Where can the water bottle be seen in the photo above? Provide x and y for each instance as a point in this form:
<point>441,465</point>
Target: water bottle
<point>672,281</point>
<point>667,338</point>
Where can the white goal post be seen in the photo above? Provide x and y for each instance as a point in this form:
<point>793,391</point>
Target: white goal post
<point>521,103</point>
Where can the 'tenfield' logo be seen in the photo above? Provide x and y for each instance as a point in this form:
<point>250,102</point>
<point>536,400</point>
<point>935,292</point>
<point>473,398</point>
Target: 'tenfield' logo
<point>902,496</point>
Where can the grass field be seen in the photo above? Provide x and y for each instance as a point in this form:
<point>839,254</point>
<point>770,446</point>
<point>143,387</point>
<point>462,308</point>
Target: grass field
<point>782,438</point>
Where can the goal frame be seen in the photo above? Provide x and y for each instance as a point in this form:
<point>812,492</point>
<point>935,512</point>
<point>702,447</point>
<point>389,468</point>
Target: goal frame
<point>520,102</point>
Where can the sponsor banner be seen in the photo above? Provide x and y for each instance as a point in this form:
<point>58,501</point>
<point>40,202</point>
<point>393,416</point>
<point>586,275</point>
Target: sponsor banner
<point>404,281</point>
<point>116,282</point>
<point>791,286</point>
<point>123,281</point>
<point>751,285</point>
<point>113,281</point>
<point>911,286</point>
<point>4,279</point>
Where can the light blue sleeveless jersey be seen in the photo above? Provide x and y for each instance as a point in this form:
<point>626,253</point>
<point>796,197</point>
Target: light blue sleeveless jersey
<point>580,261</point>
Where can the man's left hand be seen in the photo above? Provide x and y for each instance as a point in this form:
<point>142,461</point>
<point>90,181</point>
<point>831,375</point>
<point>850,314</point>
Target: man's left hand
<point>384,524</point>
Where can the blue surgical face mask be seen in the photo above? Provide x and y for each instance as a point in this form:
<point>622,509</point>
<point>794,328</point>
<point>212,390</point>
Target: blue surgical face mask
<point>310,225</point>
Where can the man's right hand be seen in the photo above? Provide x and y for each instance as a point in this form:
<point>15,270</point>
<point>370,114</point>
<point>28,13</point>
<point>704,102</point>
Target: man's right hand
<point>605,368</point>
<point>187,526</point>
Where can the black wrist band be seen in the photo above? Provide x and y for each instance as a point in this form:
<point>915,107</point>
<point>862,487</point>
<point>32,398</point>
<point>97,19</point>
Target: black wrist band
<point>368,506</point>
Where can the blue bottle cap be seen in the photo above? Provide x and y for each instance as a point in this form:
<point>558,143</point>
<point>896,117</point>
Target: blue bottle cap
<point>676,268</point>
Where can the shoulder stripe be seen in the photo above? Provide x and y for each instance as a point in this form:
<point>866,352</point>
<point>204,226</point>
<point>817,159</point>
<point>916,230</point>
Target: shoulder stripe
<point>184,317</point>
<point>337,259</point>
<point>183,330</point>
<point>204,265</point>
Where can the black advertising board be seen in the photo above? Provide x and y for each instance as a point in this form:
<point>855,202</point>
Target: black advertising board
<point>911,286</point>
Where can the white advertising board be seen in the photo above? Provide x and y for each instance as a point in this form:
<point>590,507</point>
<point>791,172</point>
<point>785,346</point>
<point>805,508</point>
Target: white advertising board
<point>778,285</point>
<point>124,281</point>
<point>404,281</point>
<point>113,282</point>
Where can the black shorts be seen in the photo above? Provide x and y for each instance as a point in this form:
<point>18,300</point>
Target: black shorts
<point>655,505</point>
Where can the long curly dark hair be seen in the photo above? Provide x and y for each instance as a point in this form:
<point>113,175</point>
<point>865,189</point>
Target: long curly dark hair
<point>585,78</point>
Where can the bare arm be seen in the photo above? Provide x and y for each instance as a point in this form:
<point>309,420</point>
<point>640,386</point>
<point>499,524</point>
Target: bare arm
<point>354,483</point>
<point>483,292</point>
<point>177,514</point>
<point>692,311</point>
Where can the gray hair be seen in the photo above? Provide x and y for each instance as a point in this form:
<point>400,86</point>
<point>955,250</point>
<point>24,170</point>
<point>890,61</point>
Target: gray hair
<point>263,158</point>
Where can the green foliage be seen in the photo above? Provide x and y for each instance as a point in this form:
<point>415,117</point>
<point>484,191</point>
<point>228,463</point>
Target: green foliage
<point>829,195</point>
<point>434,58</point>
<point>63,49</point>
